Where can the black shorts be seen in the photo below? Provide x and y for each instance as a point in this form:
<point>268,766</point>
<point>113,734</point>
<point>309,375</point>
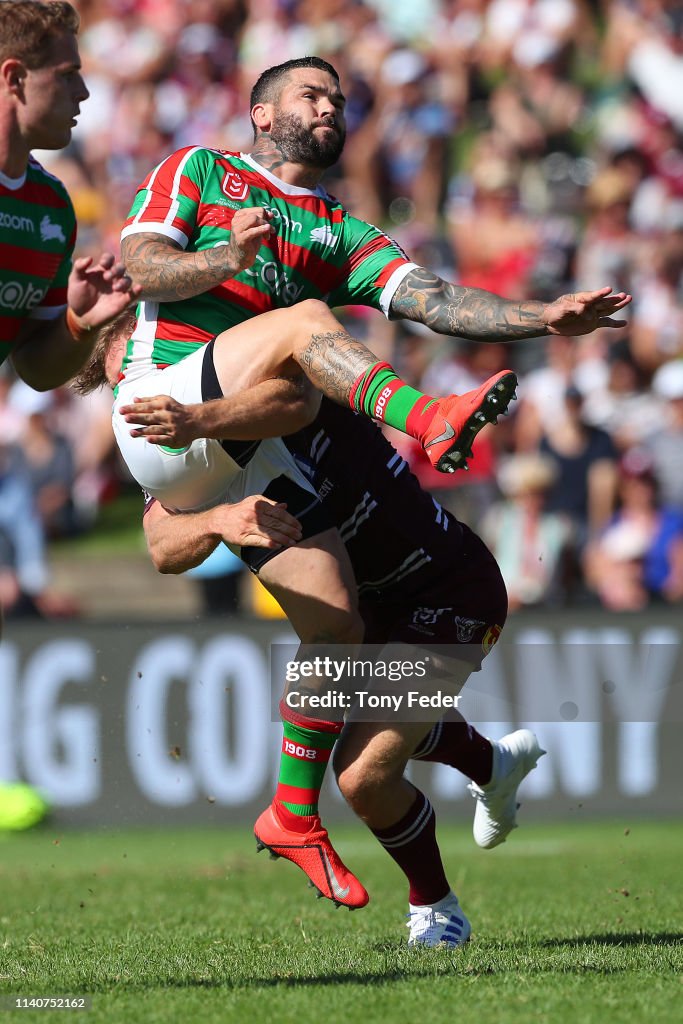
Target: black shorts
<point>458,611</point>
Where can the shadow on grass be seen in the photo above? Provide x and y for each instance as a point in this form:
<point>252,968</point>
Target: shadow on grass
<point>616,939</point>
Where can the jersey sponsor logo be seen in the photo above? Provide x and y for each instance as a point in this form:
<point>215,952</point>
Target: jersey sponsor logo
<point>491,637</point>
<point>324,235</point>
<point>293,225</point>
<point>15,295</point>
<point>275,279</point>
<point>15,223</point>
<point>423,617</point>
<point>325,488</point>
<point>50,231</point>
<point>466,628</point>
<point>380,405</point>
<point>234,186</point>
<point>226,202</point>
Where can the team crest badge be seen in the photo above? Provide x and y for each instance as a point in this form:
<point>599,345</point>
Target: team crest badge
<point>465,628</point>
<point>234,186</point>
<point>491,638</point>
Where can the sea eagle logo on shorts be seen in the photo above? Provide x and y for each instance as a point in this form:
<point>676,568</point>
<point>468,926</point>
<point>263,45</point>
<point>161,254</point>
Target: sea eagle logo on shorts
<point>466,628</point>
<point>423,617</point>
<point>491,637</point>
<point>234,186</point>
<point>50,232</point>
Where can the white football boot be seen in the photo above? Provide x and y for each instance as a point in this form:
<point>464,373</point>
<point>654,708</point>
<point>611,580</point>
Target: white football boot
<point>440,924</point>
<point>495,816</point>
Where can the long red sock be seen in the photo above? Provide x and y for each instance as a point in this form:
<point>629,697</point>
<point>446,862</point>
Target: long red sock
<point>306,750</point>
<point>455,742</point>
<point>411,842</point>
<point>380,393</point>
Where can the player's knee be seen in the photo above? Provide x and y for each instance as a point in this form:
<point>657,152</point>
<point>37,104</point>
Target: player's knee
<point>359,785</point>
<point>310,309</point>
<point>314,315</point>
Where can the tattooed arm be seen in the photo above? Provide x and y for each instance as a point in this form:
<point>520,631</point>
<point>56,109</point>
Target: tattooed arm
<point>478,315</point>
<point>167,273</point>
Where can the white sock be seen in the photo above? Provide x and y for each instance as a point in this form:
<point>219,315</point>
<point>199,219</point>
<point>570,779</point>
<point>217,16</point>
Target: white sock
<point>442,904</point>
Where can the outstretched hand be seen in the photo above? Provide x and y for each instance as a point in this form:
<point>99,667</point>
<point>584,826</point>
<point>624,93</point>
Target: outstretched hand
<point>98,292</point>
<point>583,312</point>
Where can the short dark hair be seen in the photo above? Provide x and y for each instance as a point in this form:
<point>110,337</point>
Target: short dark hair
<point>28,29</point>
<point>270,83</point>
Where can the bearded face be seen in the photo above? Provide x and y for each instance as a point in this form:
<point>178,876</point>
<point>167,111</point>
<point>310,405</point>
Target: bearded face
<point>309,144</point>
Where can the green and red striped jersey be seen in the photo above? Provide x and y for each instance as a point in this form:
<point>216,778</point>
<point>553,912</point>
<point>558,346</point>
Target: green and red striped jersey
<point>37,233</point>
<point>319,251</point>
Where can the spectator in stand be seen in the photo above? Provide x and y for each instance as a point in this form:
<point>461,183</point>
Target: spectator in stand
<point>519,29</point>
<point>493,240</point>
<point>609,245</point>
<point>23,562</point>
<point>657,320</point>
<point>568,362</point>
<point>527,541</point>
<point>623,406</point>
<point>411,129</point>
<point>639,555</point>
<point>666,444</point>
<point>43,457</point>
<point>586,462</point>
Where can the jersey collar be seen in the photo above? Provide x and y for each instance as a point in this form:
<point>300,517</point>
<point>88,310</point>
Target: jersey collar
<point>289,190</point>
<point>13,184</point>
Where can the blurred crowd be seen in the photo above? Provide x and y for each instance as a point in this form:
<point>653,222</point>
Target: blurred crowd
<point>531,147</point>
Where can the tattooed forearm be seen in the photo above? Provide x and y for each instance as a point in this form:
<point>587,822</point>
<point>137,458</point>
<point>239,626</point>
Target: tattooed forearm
<point>467,312</point>
<point>334,362</point>
<point>167,273</point>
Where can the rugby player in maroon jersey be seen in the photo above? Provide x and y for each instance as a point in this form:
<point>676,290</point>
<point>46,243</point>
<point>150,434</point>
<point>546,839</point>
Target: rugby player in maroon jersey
<point>421,578</point>
<point>239,235</point>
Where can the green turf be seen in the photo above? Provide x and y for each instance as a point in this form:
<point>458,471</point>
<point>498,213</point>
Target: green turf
<point>577,923</point>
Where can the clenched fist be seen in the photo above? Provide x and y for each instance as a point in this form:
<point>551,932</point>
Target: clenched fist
<point>250,227</point>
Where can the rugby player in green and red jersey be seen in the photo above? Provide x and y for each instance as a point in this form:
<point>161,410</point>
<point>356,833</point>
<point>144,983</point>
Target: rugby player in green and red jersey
<point>217,238</point>
<point>252,242</point>
<point>49,308</point>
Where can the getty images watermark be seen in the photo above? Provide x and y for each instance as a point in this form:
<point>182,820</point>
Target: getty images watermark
<point>327,683</point>
<point>528,681</point>
<point>398,682</point>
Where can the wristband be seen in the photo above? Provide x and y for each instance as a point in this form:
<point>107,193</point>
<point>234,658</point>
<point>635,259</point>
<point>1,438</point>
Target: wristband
<point>77,329</point>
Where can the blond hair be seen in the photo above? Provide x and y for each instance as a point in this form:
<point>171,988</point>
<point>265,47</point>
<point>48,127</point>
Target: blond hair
<point>99,371</point>
<point>28,29</point>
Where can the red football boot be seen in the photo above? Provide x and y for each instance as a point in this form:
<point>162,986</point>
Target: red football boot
<point>313,852</point>
<point>458,420</point>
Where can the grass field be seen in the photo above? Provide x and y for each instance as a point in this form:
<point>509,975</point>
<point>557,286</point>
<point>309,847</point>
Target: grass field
<point>577,923</point>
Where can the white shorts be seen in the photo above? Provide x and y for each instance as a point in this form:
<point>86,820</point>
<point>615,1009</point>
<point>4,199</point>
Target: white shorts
<point>207,472</point>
